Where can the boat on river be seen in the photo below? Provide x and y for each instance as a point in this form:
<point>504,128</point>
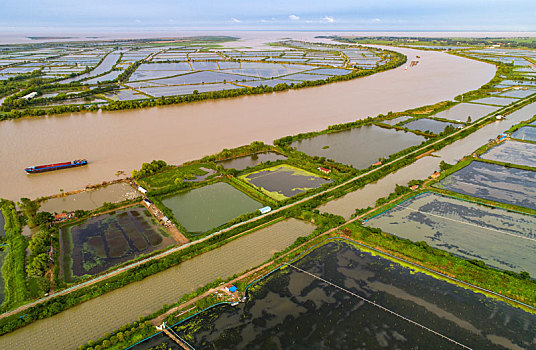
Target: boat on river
<point>56,166</point>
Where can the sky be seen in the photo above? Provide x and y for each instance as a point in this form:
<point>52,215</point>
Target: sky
<point>336,15</point>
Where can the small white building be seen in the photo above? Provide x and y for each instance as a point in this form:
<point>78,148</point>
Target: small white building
<point>30,95</point>
<point>142,190</point>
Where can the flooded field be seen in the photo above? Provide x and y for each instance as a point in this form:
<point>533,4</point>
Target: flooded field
<point>104,241</point>
<point>241,163</point>
<point>204,208</point>
<point>339,297</point>
<point>525,133</point>
<point>358,147</point>
<point>521,153</point>
<point>494,182</point>
<point>434,126</point>
<point>114,309</point>
<point>90,199</point>
<point>284,181</point>
<point>502,239</point>
<point>464,110</point>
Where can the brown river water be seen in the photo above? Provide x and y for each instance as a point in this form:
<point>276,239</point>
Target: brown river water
<point>123,140</point>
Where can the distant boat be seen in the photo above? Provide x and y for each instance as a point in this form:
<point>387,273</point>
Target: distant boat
<point>57,166</point>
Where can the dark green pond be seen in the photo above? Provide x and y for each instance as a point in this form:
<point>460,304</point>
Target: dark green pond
<point>101,242</point>
<point>434,126</point>
<point>358,147</point>
<point>204,208</point>
<point>294,309</point>
<point>241,163</point>
<point>284,181</point>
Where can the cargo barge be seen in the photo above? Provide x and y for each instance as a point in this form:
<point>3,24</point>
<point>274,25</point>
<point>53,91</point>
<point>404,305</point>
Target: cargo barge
<point>57,166</point>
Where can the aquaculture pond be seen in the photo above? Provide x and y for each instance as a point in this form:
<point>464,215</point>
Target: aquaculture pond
<point>434,126</point>
<point>494,182</point>
<point>498,101</point>
<point>340,297</point>
<point>464,110</point>
<point>204,208</point>
<point>284,181</point>
<point>251,160</point>
<point>521,153</point>
<point>101,242</point>
<point>525,133</point>
<point>90,199</point>
<point>500,238</point>
<point>358,147</point>
<point>396,120</point>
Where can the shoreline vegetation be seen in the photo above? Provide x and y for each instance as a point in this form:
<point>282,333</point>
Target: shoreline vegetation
<point>472,274</point>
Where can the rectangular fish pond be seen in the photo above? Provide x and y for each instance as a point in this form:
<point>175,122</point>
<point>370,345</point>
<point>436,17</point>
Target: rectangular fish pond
<point>101,242</point>
<point>284,181</point>
<point>464,110</point>
<point>494,182</point>
<point>204,208</point>
<point>431,125</point>
<point>358,147</point>
<point>240,163</point>
<point>525,133</point>
<point>341,297</point>
<point>521,153</point>
<point>502,239</point>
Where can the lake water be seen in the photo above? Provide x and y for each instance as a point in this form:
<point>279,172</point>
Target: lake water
<point>210,206</point>
<point>218,124</point>
<point>358,147</point>
<point>295,309</point>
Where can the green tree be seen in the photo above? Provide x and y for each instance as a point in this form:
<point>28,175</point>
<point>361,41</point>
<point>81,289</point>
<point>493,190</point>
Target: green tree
<point>38,266</point>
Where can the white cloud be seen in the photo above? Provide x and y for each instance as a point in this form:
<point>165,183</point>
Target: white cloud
<point>138,21</point>
<point>328,19</point>
<point>236,20</point>
<point>377,20</point>
<point>294,17</point>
